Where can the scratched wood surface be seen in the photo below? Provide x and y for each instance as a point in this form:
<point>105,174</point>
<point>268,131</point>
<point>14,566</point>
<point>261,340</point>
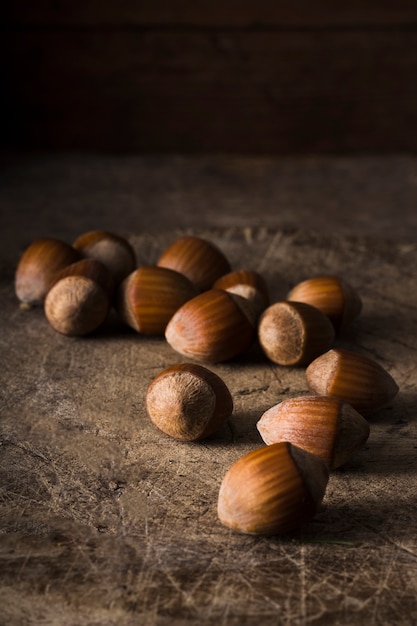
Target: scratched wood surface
<point>107,521</point>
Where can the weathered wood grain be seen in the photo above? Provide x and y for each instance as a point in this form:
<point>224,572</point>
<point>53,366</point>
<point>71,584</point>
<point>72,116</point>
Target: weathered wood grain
<point>64,195</point>
<point>107,521</point>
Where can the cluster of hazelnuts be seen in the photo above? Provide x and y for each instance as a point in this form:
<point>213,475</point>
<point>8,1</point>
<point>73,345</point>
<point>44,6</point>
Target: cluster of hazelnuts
<point>211,314</point>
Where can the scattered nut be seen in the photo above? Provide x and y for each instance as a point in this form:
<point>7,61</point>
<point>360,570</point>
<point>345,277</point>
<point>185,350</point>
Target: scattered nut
<point>198,259</point>
<point>80,298</point>
<point>272,490</point>
<point>247,284</point>
<point>147,298</point>
<point>114,251</point>
<point>38,266</point>
<point>188,402</point>
<point>333,295</point>
<point>214,326</point>
<point>325,426</point>
<point>294,333</point>
<point>353,377</point>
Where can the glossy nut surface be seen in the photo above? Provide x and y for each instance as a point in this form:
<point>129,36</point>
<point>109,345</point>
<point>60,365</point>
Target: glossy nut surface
<point>197,258</point>
<point>334,296</point>
<point>272,490</point>
<point>148,298</point>
<point>38,267</point>
<point>325,426</point>
<point>353,377</point>
<point>212,327</point>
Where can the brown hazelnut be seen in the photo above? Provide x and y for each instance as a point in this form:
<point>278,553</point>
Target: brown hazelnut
<point>333,295</point>
<point>294,333</point>
<point>114,251</point>
<point>198,259</point>
<point>249,285</point>
<point>353,377</point>
<point>272,490</point>
<point>188,402</point>
<point>80,298</point>
<point>214,326</point>
<point>325,426</point>
<point>38,266</point>
<point>148,298</point>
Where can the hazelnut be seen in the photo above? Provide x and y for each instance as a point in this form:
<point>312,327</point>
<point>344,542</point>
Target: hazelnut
<point>188,402</point>
<point>198,259</point>
<point>38,266</point>
<point>325,426</point>
<point>294,333</point>
<point>214,326</point>
<point>114,251</point>
<point>353,377</point>
<point>80,298</point>
<point>333,295</point>
<point>272,490</point>
<point>147,298</point>
<point>249,285</point>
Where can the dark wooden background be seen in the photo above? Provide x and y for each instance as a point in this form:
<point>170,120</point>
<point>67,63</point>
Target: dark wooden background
<point>293,76</point>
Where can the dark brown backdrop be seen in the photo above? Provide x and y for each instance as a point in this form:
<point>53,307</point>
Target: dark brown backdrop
<point>276,77</point>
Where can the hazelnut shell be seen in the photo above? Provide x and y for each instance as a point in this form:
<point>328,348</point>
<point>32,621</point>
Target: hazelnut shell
<point>294,333</point>
<point>148,298</point>
<point>325,426</point>
<point>198,259</point>
<point>353,377</point>
<point>272,490</point>
<point>188,402</point>
<point>214,326</point>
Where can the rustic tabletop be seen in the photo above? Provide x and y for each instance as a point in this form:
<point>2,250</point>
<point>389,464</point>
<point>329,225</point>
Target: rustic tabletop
<point>106,520</point>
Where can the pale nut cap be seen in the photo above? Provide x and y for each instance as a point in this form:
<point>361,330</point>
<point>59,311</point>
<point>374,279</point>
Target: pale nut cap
<point>76,305</point>
<point>360,381</point>
<point>325,426</point>
<point>333,295</point>
<point>294,333</point>
<point>272,490</point>
<point>188,402</point>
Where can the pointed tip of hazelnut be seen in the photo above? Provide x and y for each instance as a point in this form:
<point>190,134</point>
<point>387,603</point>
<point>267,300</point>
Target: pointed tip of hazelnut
<point>353,432</point>
<point>322,425</point>
<point>359,380</point>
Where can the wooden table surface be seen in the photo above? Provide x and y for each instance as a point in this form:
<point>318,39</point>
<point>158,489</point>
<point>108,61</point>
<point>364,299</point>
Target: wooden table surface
<point>105,520</point>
